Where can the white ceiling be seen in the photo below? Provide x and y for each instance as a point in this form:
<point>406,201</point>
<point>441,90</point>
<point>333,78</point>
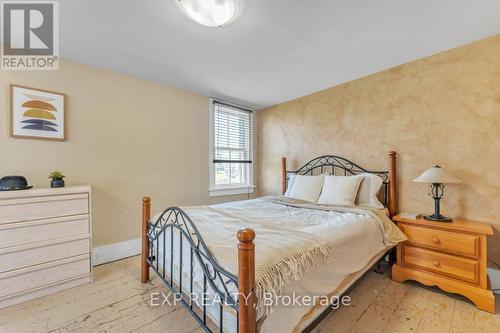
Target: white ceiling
<point>276,50</point>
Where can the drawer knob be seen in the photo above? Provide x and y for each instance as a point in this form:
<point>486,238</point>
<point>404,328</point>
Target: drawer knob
<point>436,240</point>
<point>435,263</point>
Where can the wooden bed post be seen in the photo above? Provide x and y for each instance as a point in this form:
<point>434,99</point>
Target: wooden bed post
<point>246,281</point>
<point>283,175</point>
<point>393,194</point>
<point>146,214</point>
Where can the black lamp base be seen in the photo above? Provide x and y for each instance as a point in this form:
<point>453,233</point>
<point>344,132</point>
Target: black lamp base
<point>437,191</point>
<point>437,218</point>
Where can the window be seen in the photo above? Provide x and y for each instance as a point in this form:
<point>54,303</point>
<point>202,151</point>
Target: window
<point>231,143</point>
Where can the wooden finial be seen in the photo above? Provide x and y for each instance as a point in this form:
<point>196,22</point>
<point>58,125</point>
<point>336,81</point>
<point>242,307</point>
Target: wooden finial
<point>246,235</point>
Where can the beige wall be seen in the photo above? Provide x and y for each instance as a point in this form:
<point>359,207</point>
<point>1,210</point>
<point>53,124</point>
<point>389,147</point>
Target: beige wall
<point>444,109</point>
<point>126,137</point>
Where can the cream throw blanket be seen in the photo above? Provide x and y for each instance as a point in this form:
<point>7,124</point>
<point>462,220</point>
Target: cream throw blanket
<point>281,253</point>
<point>284,249</point>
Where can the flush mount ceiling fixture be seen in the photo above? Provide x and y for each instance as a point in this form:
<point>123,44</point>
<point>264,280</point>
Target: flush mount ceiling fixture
<point>210,13</point>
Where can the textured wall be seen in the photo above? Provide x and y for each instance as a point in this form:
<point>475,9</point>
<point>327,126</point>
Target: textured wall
<point>444,109</point>
<point>126,137</point>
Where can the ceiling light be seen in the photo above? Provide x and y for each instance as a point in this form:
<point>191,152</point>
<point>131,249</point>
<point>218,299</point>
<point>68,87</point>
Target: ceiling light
<point>210,13</point>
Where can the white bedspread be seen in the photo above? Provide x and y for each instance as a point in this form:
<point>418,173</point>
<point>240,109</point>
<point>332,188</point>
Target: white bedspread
<point>353,236</point>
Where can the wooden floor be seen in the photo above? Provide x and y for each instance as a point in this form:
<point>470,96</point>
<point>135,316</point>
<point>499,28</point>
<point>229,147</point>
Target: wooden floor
<point>117,302</point>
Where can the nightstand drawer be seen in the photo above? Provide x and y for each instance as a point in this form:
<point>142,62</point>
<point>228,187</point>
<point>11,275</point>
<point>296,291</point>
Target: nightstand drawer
<point>458,267</point>
<point>454,242</point>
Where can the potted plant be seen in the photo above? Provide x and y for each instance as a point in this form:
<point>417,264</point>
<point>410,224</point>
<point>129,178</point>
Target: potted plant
<point>57,179</point>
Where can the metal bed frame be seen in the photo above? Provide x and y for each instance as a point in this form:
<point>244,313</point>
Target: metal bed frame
<point>219,280</point>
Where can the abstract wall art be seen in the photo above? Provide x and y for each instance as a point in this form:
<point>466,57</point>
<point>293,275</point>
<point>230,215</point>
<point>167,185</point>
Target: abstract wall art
<point>37,114</point>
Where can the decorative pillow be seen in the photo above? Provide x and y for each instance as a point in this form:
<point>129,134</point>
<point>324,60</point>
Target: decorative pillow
<point>368,191</point>
<point>291,180</point>
<point>306,188</point>
<point>339,190</point>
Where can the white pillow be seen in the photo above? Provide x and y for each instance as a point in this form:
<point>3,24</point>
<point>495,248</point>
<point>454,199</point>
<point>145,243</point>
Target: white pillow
<point>291,180</point>
<point>368,191</point>
<point>306,188</point>
<point>339,190</point>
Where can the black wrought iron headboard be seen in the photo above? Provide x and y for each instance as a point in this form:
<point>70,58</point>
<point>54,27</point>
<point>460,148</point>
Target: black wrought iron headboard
<point>336,165</point>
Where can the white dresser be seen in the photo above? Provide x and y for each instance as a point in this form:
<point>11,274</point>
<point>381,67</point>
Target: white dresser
<point>45,242</point>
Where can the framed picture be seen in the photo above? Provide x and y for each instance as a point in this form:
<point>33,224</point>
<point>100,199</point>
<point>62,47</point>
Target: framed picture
<point>37,114</point>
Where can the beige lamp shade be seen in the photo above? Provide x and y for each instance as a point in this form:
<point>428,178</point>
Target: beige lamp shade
<point>437,174</point>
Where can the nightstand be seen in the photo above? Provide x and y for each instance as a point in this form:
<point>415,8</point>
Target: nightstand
<point>451,256</point>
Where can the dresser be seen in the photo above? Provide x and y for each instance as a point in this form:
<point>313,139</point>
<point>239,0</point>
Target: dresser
<point>452,256</point>
<point>45,242</point>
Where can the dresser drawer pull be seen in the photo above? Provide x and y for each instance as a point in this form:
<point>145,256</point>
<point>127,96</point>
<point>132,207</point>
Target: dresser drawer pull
<point>435,263</point>
<point>436,240</point>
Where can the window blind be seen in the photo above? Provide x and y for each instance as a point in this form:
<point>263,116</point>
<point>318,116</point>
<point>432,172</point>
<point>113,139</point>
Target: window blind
<point>232,134</point>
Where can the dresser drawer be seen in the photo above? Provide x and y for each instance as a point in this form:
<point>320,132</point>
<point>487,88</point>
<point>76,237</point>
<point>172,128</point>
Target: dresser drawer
<point>23,280</point>
<point>20,233</point>
<point>27,209</point>
<point>39,253</point>
<point>458,267</point>
<point>453,242</point>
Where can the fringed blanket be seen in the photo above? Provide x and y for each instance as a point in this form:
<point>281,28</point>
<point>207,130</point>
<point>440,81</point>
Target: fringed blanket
<point>281,253</point>
<point>288,240</point>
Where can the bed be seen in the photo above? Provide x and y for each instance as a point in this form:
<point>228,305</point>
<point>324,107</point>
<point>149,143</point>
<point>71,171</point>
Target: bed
<point>284,248</point>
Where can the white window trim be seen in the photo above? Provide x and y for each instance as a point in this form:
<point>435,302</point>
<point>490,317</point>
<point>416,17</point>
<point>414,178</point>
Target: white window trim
<point>223,190</point>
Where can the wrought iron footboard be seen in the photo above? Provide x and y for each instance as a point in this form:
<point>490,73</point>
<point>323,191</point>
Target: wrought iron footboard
<point>174,224</point>
<point>174,248</point>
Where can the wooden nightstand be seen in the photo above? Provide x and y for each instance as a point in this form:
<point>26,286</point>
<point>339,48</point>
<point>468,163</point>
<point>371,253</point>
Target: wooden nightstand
<point>451,256</point>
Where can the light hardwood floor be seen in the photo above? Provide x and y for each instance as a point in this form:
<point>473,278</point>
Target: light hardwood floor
<point>117,302</point>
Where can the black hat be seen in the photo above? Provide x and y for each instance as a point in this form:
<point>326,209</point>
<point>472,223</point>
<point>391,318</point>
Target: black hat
<point>12,183</point>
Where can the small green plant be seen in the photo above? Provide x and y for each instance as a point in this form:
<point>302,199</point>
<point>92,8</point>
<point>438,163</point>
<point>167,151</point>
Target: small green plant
<point>56,174</point>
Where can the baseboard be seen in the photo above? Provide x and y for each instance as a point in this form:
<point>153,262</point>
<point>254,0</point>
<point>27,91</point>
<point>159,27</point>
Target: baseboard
<point>116,251</point>
<point>494,275</point>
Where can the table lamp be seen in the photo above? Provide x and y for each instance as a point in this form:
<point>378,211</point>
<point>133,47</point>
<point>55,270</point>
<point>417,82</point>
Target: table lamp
<point>437,177</point>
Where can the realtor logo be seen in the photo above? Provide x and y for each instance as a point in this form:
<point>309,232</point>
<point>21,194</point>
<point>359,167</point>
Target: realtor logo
<point>30,35</point>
